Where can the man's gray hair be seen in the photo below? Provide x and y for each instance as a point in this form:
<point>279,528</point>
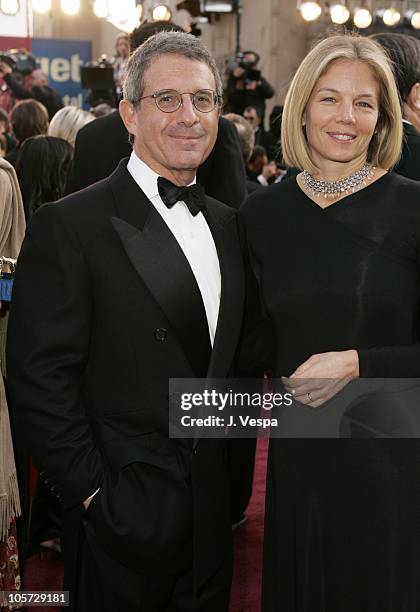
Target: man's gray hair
<point>165,43</point>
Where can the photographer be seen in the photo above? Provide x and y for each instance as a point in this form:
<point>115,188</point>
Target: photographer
<point>38,88</point>
<point>246,86</point>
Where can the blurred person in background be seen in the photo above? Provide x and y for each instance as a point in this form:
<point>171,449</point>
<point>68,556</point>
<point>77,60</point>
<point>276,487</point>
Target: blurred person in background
<point>260,169</point>
<point>246,86</point>
<point>256,162</point>
<point>3,145</point>
<point>103,143</point>
<point>37,88</point>
<point>27,118</point>
<point>247,140</point>
<point>404,51</point>
<point>6,97</point>
<point>67,122</point>
<point>262,137</point>
<point>5,130</point>
<point>12,230</point>
<point>122,51</point>
<point>42,168</point>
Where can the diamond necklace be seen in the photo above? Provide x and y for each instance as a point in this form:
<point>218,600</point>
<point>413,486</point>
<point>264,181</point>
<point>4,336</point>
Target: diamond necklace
<point>332,189</point>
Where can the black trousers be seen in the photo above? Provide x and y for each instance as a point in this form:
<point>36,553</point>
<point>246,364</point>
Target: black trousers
<point>106,585</point>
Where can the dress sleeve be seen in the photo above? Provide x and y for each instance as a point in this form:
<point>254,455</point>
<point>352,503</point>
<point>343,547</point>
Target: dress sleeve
<point>257,344</point>
<point>394,361</point>
<point>390,362</point>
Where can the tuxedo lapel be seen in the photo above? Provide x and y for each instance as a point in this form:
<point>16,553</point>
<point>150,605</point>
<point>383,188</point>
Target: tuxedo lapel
<point>160,262</point>
<point>232,292</point>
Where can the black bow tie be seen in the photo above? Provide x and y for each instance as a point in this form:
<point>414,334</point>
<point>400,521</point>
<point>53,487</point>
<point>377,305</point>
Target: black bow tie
<point>193,196</point>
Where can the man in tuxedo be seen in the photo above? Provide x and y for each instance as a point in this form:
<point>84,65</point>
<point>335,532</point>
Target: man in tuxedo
<point>120,287</point>
<point>262,137</point>
<point>404,52</point>
<point>103,143</point>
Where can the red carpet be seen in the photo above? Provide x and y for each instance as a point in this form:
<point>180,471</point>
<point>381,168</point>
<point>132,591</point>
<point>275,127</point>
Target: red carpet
<point>248,541</point>
<point>46,574</point>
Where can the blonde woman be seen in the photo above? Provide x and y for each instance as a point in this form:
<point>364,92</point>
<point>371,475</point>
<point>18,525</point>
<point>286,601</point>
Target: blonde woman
<point>68,121</point>
<point>336,252</point>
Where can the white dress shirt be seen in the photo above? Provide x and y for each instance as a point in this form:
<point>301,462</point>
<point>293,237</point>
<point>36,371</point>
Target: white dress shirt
<point>193,236</point>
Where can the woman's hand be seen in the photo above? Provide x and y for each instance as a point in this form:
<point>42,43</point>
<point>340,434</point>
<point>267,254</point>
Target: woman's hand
<point>321,376</point>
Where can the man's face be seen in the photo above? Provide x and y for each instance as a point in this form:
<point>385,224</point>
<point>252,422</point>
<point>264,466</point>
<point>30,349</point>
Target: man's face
<point>250,58</point>
<point>251,116</point>
<point>173,144</point>
<point>38,78</point>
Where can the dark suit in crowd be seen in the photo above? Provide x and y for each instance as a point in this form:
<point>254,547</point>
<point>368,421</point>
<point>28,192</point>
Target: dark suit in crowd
<point>101,144</point>
<point>409,164</point>
<point>267,140</point>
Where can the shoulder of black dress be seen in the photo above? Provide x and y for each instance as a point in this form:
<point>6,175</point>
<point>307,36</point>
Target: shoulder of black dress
<point>268,197</point>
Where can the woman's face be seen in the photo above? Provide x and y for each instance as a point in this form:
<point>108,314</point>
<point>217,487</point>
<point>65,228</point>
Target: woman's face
<point>341,114</point>
<point>122,47</point>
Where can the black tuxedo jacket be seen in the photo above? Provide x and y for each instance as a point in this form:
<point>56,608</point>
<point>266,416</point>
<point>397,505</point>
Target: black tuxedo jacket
<point>105,310</point>
<point>102,143</point>
<point>409,164</point>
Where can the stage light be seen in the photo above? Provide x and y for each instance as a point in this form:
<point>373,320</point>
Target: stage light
<point>339,13</point>
<point>213,6</point>
<point>310,11</point>
<point>70,7</point>
<point>9,7</point>
<point>100,8</point>
<point>391,16</point>
<point>415,20</point>
<point>161,13</point>
<point>362,18</point>
<point>41,6</point>
<point>124,14</point>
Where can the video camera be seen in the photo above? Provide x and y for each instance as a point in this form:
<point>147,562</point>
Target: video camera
<point>21,62</point>
<point>239,61</point>
<point>98,78</point>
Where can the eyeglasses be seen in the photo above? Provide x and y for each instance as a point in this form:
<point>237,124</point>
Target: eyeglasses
<point>170,100</point>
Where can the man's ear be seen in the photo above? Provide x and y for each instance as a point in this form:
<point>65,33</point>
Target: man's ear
<point>413,98</point>
<point>129,116</point>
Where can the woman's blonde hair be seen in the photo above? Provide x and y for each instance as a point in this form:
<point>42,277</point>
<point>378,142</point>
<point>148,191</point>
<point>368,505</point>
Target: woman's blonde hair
<point>68,121</point>
<point>385,146</point>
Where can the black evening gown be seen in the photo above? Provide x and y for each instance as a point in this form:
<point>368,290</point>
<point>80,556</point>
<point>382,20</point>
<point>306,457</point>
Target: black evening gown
<point>342,529</point>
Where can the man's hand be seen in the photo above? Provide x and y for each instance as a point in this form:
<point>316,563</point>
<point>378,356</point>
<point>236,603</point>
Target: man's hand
<point>322,376</point>
<point>251,85</point>
<point>4,69</point>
